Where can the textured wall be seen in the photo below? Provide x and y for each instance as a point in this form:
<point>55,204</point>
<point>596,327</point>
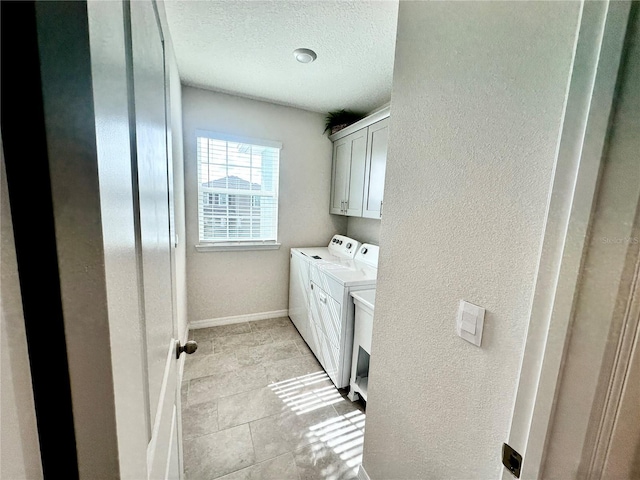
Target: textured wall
<point>477,103</point>
<point>222,284</point>
<point>365,230</point>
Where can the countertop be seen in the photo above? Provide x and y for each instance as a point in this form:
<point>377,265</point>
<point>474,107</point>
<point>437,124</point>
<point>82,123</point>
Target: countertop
<point>367,297</point>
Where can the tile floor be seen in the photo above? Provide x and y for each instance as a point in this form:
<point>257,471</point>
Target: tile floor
<point>256,404</point>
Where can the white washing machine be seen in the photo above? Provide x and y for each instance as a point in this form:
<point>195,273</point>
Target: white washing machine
<point>333,311</point>
<point>339,248</point>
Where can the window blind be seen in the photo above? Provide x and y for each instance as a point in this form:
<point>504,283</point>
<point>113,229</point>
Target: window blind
<point>237,189</point>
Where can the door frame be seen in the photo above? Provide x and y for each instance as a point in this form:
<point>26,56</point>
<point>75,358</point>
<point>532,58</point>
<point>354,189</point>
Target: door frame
<point>25,124</point>
<point>602,28</point>
<point>93,358</point>
<point>605,426</point>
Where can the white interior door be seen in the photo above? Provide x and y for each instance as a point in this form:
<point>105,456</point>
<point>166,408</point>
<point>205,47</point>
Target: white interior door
<point>153,196</point>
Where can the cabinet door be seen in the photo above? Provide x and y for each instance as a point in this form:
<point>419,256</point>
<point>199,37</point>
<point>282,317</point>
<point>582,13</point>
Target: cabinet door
<point>314,340</point>
<point>340,175</point>
<point>329,315</point>
<point>315,318</point>
<point>331,357</point>
<point>375,169</point>
<point>355,190</point>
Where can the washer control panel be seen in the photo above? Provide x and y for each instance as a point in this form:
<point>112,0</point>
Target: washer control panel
<point>342,246</point>
<point>368,253</point>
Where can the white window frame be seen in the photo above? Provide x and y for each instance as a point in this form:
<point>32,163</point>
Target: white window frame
<point>227,244</point>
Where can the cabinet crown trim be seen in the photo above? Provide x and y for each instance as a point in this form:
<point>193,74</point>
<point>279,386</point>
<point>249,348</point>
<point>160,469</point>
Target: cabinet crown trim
<point>360,124</point>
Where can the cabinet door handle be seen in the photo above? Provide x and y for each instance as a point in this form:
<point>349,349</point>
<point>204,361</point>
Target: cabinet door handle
<point>323,298</point>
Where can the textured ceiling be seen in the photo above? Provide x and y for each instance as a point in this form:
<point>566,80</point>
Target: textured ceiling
<point>245,47</point>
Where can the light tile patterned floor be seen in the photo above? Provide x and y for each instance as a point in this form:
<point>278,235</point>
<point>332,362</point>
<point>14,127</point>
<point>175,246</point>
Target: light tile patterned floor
<point>256,405</point>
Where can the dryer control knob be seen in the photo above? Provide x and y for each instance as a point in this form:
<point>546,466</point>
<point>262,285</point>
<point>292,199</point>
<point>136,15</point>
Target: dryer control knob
<point>349,245</point>
<point>363,251</point>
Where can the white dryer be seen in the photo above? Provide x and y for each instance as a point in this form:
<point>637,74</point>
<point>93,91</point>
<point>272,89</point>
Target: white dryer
<point>333,310</point>
<point>339,248</point>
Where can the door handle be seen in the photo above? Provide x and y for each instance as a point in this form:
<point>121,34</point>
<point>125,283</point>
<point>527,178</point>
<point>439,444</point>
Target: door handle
<point>380,208</point>
<point>188,348</point>
<point>323,298</point>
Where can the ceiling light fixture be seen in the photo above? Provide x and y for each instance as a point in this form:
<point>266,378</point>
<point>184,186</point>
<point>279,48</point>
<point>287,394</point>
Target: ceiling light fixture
<point>304,55</point>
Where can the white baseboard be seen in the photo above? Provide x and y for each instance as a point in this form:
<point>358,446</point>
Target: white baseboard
<point>214,322</point>
<point>362,474</point>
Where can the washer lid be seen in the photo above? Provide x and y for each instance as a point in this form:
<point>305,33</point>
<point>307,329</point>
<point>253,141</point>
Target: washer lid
<point>349,272</point>
<point>312,252</point>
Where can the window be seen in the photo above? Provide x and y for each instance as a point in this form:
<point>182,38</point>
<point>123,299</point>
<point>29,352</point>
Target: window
<point>237,190</point>
<point>220,198</point>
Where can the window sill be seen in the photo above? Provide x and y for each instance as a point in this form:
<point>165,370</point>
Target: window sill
<point>236,246</point>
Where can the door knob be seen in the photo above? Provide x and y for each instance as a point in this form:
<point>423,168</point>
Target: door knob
<point>188,348</point>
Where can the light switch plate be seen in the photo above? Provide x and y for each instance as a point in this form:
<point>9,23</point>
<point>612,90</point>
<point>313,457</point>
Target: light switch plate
<point>470,322</point>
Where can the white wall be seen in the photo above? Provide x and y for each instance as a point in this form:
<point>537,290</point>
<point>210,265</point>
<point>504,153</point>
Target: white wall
<point>20,451</point>
<point>222,284</point>
<point>478,96</point>
<point>365,230</point>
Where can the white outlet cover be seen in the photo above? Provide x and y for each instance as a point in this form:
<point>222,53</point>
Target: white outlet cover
<point>470,322</point>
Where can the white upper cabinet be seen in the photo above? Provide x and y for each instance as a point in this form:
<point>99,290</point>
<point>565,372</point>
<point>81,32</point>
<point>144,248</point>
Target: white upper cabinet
<point>347,183</point>
<point>340,174</point>
<point>359,163</point>
<point>377,142</point>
